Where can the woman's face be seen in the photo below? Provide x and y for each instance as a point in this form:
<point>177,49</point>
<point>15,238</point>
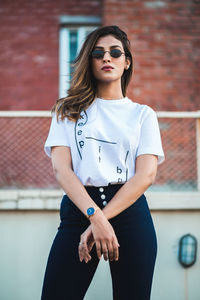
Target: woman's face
<point>118,65</point>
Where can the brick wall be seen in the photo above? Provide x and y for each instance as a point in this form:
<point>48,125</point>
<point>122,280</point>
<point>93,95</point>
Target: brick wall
<point>165,38</point>
<point>29,50</point>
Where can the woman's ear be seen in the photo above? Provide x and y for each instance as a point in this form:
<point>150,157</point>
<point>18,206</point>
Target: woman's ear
<point>127,63</point>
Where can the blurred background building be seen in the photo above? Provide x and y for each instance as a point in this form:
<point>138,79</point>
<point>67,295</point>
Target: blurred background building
<point>38,40</point>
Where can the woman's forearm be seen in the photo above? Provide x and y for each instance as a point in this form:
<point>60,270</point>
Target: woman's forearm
<point>127,195</point>
<point>101,230</point>
<point>123,198</point>
<point>146,167</point>
<point>74,189</point>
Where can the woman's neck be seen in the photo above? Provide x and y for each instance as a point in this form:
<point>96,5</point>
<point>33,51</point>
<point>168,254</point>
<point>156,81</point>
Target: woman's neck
<point>109,91</point>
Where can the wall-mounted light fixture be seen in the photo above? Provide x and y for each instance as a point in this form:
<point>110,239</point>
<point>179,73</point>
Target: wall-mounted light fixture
<point>187,250</point>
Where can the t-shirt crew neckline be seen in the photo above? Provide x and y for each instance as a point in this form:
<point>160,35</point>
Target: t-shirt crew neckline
<point>112,101</point>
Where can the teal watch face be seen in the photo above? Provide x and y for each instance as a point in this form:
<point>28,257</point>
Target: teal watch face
<point>90,211</point>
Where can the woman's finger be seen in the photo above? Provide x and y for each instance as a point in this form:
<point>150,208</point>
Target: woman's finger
<point>104,251</point>
<point>87,258</point>
<point>82,250</point>
<point>84,256</point>
<point>115,251</point>
<point>90,245</point>
<point>80,253</point>
<point>110,251</point>
<point>85,245</point>
<point>98,249</point>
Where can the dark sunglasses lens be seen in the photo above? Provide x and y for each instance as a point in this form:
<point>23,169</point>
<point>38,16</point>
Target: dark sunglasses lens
<point>115,53</point>
<point>97,53</point>
<point>100,53</point>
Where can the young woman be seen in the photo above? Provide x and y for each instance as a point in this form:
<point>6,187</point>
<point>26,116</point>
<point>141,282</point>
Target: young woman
<point>105,149</point>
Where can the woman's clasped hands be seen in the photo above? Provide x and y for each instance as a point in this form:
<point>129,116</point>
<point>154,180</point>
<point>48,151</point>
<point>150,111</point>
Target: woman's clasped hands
<point>101,233</point>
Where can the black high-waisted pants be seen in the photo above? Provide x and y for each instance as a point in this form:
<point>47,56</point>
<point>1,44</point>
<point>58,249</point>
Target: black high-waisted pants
<point>66,278</point>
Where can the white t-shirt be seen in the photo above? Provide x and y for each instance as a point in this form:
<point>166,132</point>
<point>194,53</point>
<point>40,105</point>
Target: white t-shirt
<point>106,140</point>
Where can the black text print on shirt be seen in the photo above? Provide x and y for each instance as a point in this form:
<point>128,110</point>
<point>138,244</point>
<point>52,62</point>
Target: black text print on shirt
<point>102,146</point>
<point>79,132</point>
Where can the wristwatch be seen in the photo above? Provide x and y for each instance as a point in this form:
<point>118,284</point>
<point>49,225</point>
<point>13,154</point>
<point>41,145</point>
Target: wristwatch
<point>91,211</point>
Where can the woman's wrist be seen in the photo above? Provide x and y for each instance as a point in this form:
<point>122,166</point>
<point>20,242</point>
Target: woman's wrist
<point>97,216</point>
<point>106,213</point>
<point>91,211</point>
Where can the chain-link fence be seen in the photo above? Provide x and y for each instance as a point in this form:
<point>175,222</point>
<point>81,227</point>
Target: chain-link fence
<point>179,139</point>
<point>23,163</point>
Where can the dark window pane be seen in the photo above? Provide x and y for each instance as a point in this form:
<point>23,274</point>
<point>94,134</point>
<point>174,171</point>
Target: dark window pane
<point>73,47</point>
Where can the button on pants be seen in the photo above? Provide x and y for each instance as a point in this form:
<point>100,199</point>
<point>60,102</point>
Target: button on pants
<point>66,278</point>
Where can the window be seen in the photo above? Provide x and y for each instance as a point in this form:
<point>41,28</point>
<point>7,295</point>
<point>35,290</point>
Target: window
<point>72,34</point>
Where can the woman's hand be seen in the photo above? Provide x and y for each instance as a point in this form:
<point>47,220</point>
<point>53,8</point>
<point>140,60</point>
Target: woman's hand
<point>104,237</point>
<point>86,244</point>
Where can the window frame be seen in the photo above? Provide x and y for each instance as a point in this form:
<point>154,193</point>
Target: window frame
<point>82,24</point>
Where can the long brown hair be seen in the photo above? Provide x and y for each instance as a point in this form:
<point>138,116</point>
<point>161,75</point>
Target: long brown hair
<point>83,84</point>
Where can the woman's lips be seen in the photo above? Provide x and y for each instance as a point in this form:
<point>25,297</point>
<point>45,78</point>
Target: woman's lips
<point>107,68</point>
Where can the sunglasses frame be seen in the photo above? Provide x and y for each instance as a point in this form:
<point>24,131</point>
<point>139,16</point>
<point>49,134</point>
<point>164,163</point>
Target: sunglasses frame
<point>101,57</point>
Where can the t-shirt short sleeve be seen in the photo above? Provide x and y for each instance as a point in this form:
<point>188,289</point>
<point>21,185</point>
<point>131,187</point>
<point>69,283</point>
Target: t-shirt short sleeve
<point>57,134</point>
<point>150,138</point>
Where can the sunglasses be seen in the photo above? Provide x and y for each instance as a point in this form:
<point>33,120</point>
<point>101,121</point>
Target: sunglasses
<point>99,54</point>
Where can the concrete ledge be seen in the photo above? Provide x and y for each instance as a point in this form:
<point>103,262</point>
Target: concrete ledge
<point>173,200</point>
<point>40,199</point>
<point>35,199</point>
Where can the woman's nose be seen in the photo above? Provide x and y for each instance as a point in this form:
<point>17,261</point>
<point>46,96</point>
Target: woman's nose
<point>106,56</point>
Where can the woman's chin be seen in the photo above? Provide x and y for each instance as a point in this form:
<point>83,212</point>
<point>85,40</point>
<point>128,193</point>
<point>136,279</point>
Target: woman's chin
<point>107,79</point>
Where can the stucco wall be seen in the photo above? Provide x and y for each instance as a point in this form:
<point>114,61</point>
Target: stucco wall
<point>26,238</point>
